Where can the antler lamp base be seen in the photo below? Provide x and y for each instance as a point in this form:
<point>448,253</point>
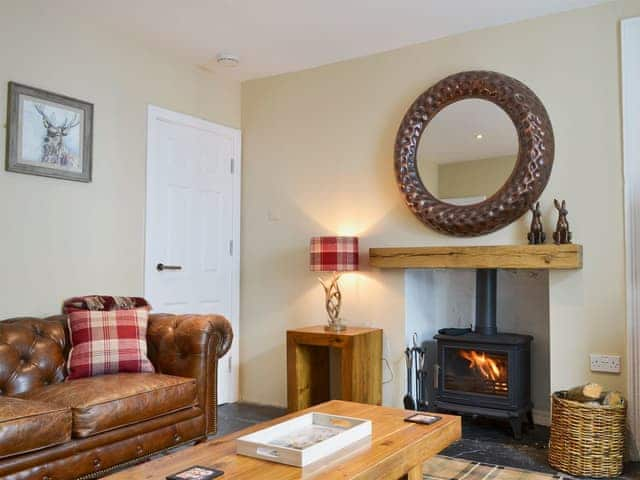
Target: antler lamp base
<point>333,302</point>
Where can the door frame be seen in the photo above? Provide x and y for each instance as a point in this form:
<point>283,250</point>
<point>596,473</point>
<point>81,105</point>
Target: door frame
<point>155,113</point>
<point>630,57</point>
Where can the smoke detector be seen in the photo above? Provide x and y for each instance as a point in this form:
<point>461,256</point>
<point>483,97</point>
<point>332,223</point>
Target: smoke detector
<point>227,60</point>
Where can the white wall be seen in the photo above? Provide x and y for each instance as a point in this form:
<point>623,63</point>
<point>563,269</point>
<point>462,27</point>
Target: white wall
<point>318,150</point>
<point>63,238</point>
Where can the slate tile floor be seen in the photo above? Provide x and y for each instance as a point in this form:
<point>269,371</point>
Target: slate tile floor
<point>236,416</point>
<point>490,441</point>
<point>483,440</point>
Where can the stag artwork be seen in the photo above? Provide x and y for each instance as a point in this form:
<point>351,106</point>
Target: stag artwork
<point>562,233</point>
<point>48,134</point>
<point>54,150</point>
<point>536,235</point>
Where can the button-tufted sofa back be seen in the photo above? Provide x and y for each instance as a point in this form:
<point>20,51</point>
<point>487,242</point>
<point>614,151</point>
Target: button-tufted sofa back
<point>33,353</point>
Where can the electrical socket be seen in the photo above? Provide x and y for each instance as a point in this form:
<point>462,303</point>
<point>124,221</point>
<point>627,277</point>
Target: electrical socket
<point>605,363</point>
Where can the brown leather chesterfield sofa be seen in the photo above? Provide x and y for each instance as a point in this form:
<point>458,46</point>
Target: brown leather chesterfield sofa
<point>55,430</point>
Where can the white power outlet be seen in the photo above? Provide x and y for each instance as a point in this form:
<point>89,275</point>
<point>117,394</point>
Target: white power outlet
<point>605,363</point>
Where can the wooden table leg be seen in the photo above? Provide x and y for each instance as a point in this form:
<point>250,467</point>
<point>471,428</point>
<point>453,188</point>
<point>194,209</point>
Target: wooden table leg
<point>414,474</point>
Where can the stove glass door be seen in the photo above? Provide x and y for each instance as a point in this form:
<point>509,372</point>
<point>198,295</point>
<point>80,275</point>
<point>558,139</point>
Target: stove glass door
<point>476,371</point>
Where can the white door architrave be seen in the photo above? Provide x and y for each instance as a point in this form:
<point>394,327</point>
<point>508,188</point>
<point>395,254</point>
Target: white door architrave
<point>630,41</point>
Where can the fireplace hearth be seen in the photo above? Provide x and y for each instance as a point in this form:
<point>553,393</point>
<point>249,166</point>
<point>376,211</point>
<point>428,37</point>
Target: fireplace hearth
<point>485,372</point>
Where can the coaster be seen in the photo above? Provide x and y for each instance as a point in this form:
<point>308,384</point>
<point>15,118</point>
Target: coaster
<point>196,473</point>
<point>423,418</point>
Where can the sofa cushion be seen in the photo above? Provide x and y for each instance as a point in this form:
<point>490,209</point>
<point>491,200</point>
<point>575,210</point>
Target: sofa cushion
<point>26,426</point>
<point>108,342</point>
<point>106,402</point>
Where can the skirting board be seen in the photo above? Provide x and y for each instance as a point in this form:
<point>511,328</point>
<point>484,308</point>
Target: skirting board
<point>541,417</point>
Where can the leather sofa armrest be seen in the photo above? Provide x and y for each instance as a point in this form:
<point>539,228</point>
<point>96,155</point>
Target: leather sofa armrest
<point>189,346</point>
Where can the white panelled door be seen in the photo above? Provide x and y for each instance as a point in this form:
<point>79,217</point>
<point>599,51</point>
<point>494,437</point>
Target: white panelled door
<point>193,224</point>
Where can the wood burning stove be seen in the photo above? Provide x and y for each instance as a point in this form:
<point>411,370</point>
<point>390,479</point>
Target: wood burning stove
<point>485,372</point>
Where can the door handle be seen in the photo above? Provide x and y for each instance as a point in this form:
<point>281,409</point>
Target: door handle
<point>161,266</point>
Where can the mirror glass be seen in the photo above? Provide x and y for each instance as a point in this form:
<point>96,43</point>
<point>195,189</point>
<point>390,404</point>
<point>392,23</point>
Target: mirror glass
<point>467,152</point>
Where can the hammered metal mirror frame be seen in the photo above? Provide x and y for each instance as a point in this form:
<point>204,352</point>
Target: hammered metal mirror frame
<point>530,174</point>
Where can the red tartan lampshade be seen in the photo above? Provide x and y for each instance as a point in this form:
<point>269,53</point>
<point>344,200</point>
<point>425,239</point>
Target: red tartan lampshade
<point>333,254</point>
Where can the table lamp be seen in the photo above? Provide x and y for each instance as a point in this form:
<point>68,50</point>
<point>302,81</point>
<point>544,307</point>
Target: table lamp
<point>336,255</point>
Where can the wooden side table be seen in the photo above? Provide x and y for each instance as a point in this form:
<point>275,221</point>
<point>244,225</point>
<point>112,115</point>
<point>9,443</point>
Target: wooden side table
<point>308,365</point>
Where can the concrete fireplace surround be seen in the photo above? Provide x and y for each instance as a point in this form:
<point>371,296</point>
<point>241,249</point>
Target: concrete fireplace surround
<point>441,298</point>
<point>443,295</point>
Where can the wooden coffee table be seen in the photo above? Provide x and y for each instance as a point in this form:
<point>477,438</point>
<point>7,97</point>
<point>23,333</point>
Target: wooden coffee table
<point>396,450</point>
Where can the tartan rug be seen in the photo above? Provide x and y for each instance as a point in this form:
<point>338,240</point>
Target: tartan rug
<point>447,468</point>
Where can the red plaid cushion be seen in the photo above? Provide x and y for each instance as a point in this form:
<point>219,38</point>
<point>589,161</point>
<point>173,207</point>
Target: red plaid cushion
<point>108,342</point>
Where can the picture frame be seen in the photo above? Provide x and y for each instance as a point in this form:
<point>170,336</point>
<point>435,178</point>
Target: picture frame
<point>48,134</point>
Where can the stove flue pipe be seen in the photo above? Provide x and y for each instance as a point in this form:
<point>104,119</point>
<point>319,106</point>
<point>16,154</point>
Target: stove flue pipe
<point>486,299</point>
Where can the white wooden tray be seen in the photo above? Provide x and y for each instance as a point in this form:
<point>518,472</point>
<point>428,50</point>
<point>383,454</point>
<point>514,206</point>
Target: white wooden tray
<point>304,439</point>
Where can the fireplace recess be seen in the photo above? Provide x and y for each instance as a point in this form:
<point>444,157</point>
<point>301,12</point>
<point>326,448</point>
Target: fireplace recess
<point>484,372</point>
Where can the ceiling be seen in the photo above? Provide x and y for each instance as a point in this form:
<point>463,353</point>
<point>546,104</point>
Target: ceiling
<point>278,36</point>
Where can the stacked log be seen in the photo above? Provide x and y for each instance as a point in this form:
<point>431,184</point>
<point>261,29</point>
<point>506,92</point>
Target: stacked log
<point>593,395</point>
<point>613,399</point>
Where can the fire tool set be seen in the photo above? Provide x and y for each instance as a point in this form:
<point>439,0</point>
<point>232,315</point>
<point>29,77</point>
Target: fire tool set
<point>416,377</point>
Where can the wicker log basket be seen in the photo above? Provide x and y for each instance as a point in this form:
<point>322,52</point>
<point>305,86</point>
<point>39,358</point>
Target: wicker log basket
<point>586,440</point>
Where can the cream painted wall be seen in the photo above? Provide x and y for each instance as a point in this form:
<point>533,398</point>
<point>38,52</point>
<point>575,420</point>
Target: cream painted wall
<point>318,149</point>
<point>64,238</point>
<point>474,178</point>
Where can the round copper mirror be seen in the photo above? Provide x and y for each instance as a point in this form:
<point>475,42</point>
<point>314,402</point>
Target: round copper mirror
<point>485,158</point>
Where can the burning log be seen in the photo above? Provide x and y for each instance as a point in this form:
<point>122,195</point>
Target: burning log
<point>483,363</point>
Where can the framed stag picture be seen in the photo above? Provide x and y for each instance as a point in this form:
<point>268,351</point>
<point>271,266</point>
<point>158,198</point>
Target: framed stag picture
<point>48,134</point>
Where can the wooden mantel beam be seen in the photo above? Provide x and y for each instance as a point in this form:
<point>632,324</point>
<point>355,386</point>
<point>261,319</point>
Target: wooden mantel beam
<point>551,257</point>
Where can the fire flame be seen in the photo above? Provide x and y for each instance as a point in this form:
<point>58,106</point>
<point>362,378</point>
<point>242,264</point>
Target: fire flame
<point>487,366</point>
